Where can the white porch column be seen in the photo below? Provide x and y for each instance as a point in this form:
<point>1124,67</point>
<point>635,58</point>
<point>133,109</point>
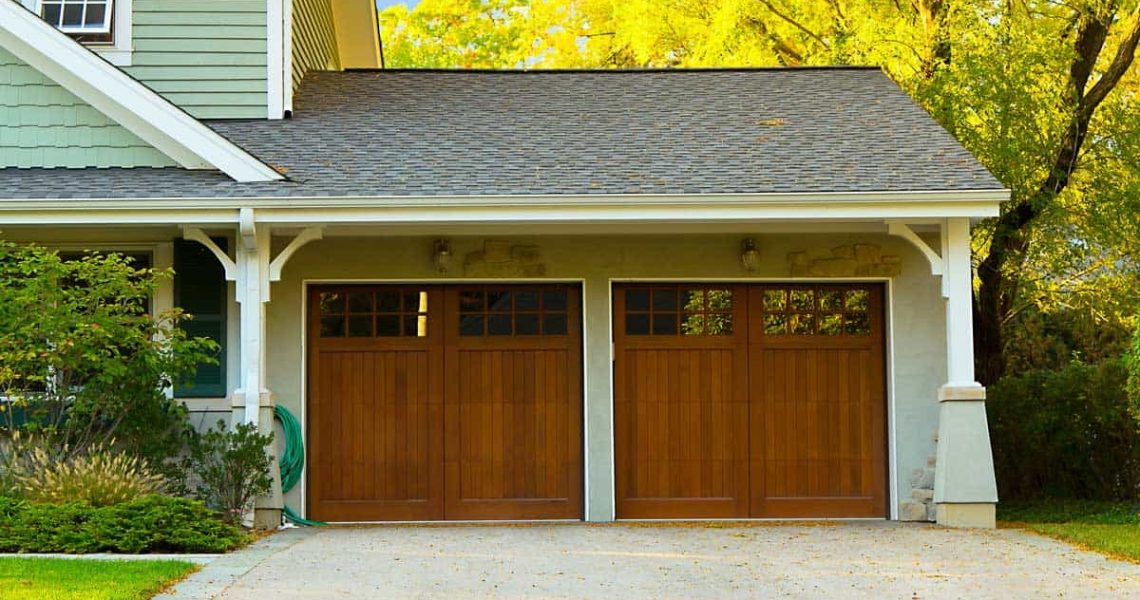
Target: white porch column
<point>965,490</point>
<point>253,402</point>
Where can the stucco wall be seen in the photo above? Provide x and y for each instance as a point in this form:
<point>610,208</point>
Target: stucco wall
<point>916,319</point>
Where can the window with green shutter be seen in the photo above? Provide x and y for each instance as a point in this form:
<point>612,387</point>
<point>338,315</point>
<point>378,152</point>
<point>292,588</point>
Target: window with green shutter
<point>200,290</point>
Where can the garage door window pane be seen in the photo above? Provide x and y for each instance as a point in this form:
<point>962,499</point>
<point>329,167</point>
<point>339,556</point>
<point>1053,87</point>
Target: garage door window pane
<point>637,300</point>
<point>471,325</point>
<point>360,326</point>
<point>831,300</point>
<point>332,303</point>
<point>858,324</point>
<point>637,324</point>
<point>830,324</point>
<point>526,325</point>
<point>388,326</point>
<point>775,300</point>
<point>332,326</point>
<point>802,324</point>
<point>388,302</point>
<point>526,301</point>
<point>554,325</point>
<point>360,303</point>
<point>664,300</point>
<point>803,300</point>
<point>498,325</point>
<point>775,324</point>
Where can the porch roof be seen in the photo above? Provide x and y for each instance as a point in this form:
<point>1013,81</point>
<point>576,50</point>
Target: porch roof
<point>573,133</point>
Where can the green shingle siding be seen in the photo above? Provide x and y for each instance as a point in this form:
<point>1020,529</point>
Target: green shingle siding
<point>44,125</point>
<point>314,39</point>
<point>207,56</point>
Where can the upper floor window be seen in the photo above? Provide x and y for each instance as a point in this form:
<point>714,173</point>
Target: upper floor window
<point>104,26</point>
<point>80,17</point>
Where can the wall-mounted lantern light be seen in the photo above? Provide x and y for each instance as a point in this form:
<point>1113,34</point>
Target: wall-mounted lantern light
<point>441,256</point>
<point>749,255</point>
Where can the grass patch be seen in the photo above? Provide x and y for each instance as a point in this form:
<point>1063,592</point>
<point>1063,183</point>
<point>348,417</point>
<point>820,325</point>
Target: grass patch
<point>1105,527</point>
<point>78,579</point>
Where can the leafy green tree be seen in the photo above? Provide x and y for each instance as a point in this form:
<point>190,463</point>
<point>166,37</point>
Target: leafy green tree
<point>83,362</point>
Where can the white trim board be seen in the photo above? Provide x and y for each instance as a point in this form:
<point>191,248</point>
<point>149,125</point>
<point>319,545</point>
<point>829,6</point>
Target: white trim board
<point>587,210</point>
<point>121,98</point>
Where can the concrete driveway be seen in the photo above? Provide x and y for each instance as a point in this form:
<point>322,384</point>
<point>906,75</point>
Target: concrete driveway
<point>631,561</point>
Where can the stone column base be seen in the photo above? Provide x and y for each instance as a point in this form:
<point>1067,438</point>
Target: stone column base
<point>266,518</point>
<point>974,516</point>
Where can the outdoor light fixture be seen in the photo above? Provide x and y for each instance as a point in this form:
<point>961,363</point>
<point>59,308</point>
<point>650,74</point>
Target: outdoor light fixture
<point>749,255</point>
<point>441,255</point>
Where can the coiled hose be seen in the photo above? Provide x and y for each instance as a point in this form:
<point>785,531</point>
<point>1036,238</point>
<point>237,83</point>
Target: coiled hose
<point>292,460</point>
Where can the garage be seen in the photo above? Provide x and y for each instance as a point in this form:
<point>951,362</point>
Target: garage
<point>736,401</point>
<point>444,402</point>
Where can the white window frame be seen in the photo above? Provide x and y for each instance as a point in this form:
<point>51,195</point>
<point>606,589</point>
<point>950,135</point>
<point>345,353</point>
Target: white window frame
<point>118,51</point>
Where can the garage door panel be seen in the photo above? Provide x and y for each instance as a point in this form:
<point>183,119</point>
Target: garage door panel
<point>818,396</point>
<point>681,405</point>
<point>373,442</point>
<point>513,403</point>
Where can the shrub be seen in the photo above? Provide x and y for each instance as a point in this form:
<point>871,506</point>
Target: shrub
<point>96,478</point>
<point>1065,434</point>
<point>231,468</point>
<point>148,524</point>
<point>82,360</point>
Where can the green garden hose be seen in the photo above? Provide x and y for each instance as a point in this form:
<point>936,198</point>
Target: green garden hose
<point>292,460</point>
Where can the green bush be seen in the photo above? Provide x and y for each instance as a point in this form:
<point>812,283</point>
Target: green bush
<point>97,477</point>
<point>149,524</point>
<point>1065,434</point>
<point>82,359</point>
<point>231,468</point>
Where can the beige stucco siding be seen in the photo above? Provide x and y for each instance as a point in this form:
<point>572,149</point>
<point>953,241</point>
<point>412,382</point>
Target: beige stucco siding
<point>916,360</point>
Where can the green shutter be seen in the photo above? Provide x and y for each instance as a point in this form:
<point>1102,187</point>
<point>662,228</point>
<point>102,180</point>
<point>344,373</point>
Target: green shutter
<point>200,290</point>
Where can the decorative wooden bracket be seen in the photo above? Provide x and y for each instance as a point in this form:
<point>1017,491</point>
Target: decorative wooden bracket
<point>197,235</point>
<point>309,234</point>
<point>937,263</point>
<point>248,235</point>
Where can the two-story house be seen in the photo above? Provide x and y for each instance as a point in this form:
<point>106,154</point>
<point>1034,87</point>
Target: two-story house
<point>737,293</point>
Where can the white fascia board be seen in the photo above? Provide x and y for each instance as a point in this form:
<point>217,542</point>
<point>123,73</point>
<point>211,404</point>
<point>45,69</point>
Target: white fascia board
<point>124,100</point>
<point>985,202</point>
<point>509,209</point>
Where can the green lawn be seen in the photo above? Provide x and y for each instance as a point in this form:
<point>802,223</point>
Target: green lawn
<point>78,579</point>
<point>1108,528</point>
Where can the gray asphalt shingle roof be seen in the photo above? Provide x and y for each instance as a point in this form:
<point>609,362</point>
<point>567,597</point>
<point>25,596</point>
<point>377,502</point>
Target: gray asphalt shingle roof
<point>427,133</point>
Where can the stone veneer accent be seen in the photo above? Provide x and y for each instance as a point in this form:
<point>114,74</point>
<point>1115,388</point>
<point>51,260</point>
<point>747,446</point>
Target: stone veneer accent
<point>854,260</point>
<point>499,258</point>
<point>920,505</point>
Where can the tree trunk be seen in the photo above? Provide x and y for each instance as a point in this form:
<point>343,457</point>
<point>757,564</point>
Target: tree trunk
<point>994,298</point>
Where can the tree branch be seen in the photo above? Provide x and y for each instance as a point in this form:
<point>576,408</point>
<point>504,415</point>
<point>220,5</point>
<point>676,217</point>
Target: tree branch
<point>1125,55</point>
<point>795,23</point>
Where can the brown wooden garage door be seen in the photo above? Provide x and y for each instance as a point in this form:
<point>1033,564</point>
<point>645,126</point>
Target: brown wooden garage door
<point>750,401</point>
<point>432,402</point>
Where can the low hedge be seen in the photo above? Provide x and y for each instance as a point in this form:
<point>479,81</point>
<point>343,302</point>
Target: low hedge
<point>1065,434</point>
<point>148,524</point>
